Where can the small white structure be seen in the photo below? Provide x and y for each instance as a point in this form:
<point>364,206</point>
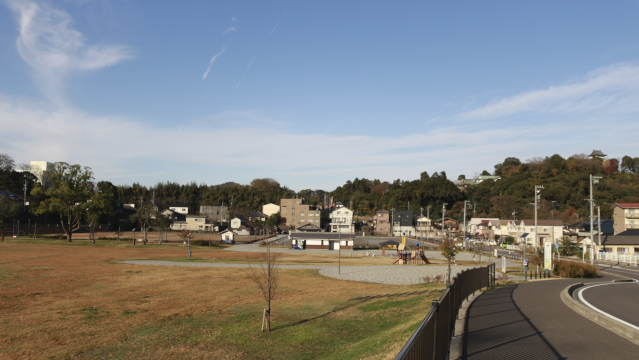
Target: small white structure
<point>270,209</point>
<point>228,235</point>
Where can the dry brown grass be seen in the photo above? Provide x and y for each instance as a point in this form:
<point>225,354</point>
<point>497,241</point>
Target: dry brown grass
<point>69,302</point>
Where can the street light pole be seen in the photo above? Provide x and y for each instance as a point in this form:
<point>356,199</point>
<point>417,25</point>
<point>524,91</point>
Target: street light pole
<point>392,220</point>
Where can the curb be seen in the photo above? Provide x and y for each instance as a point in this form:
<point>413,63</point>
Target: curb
<point>618,328</point>
<point>457,341</point>
<point>617,275</point>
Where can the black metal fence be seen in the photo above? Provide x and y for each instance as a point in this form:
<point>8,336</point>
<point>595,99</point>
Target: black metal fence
<point>432,338</point>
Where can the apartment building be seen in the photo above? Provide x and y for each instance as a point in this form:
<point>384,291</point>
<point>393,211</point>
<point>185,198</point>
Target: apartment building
<point>295,213</point>
<point>546,229</point>
<point>625,216</point>
<point>215,213</point>
<point>382,223</point>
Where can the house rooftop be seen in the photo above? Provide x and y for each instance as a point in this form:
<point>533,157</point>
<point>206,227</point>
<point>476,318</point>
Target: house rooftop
<point>628,205</point>
<point>597,153</point>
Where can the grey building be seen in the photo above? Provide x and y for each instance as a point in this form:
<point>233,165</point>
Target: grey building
<point>215,213</point>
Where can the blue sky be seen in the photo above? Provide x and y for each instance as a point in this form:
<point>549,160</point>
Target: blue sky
<point>314,93</point>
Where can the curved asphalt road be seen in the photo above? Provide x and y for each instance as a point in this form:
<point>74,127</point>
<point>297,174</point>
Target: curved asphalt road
<point>618,300</point>
<point>529,321</point>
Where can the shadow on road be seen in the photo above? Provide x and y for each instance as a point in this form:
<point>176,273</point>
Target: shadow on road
<point>496,328</point>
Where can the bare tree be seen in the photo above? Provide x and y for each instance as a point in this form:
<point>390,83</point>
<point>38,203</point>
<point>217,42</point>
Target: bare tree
<point>24,166</point>
<point>6,162</point>
<point>266,277</point>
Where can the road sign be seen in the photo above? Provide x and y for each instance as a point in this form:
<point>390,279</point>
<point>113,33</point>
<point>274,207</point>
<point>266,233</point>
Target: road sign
<point>548,255</point>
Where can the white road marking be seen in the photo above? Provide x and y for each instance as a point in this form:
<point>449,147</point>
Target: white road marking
<point>579,293</point>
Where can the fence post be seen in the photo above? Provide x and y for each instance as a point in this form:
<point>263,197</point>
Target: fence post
<point>436,306</point>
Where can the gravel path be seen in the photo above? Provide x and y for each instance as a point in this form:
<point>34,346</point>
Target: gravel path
<point>431,254</point>
<point>381,274</point>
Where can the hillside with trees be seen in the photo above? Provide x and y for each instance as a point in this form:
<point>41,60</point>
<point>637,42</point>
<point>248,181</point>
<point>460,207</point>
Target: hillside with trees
<point>565,181</point>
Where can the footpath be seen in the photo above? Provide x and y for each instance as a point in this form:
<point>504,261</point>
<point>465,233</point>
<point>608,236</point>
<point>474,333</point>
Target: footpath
<point>530,321</point>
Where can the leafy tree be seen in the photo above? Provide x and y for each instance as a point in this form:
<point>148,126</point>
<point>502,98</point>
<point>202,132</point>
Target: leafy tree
<point>69,195</point>
<point>461,177</point>
<point>509,162</point>
<point>485,172</point>
<point>8,210</point>
<point>509,240</point>
<point>424,176</point>
<point>145,217</point>
<point>274,220</point>
<point>449,251</point>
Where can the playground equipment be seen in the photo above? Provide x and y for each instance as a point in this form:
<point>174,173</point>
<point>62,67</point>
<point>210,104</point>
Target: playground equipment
<point>407,256</point>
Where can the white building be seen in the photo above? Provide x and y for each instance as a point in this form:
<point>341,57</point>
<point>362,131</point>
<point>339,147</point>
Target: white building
<point>270,209</point>
<point>424,227</point>
<point>180,209</point>
<point>342,220</point>
<point>546,230</point>
<point>471,226</point>
<point>193,223</point>
<point>38,169</point>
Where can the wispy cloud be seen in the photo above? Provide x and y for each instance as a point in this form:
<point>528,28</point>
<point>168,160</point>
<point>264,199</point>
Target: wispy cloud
<point>233,19</point>
<point>53,48</point>
<point>318,160</point>
<point>206,73</point>
<point>612,89</point>
<point>230,29</point>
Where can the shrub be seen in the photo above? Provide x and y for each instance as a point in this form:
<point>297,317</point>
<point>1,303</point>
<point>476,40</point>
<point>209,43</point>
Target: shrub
<point>203,243</point>
<point>573,269</point>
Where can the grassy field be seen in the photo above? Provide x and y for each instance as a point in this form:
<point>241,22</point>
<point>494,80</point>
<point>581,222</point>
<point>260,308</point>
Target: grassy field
<point>75,301</point>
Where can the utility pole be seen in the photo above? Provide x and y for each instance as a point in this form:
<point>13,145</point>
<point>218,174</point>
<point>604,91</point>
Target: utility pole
<point>593,180</point>
<point>599,226</point>
<point>24,200</point>
<point>474,206</point>
<point>552,209</point>
<point>538,189</point>
<point>444,223</point>
<point>392,219</point>
<point>466,203</point>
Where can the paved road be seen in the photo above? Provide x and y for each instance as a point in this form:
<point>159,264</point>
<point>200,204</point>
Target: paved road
<point>627,271</point>
<point>529,321</point>
<point>381,274</point>
<point>617,300</point>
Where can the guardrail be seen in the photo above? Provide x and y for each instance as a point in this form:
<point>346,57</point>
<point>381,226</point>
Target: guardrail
<point>432,338</point>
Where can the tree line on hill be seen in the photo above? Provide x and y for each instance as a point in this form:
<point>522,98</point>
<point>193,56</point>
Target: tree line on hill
<point>565,182</point>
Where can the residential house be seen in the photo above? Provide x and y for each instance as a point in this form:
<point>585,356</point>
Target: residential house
<point>341,220</point>
<point>295,213</point>
<point>626,242</point>
<point>175,216</point>
<point>270,209</point>
<point>471,226</point>
<point>11,195</point>
<point>625,217</point>
<point>240,227</point>
<point>424,227</point>
<point>182,209</point>
<point>547,229</point>
<point>382,222</point>
<point>257,216</point>
<point>402,223</point>
<point>215,213</point>
<point>192,223</point>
